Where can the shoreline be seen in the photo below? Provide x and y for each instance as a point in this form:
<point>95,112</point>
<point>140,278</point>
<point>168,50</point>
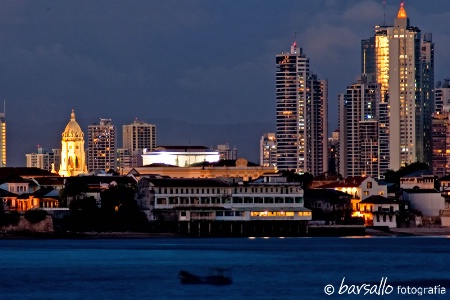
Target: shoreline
<point>369,232</point>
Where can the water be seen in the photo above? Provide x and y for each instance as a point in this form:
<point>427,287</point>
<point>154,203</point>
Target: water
<point>275,268</point>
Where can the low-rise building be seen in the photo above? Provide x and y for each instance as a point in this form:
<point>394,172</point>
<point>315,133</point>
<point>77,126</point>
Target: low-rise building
<point>267,198</point>
<point>240,168</point>
<point>428,201</point>
<point>358,187</point>
<point>377,211</point>
<point>329,205</point>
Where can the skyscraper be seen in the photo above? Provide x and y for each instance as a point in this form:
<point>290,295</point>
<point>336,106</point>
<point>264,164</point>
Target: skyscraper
<point>268,150</point>
<point>359,133</point>
<point>136,137</point>
<point>301,115</point>
<point>404,67</point>
<point>139,135</point>
<point>102,146</point>
<point>2,140</point>
<point>441,144</point>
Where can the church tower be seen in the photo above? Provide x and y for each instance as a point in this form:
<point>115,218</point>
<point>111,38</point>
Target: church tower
<point>73,159</point>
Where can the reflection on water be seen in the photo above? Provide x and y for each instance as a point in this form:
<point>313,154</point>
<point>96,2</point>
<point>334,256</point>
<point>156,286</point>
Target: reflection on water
<point>263,268</point>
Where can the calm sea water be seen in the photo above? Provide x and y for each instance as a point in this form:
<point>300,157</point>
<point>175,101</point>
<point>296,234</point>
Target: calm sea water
<point>274,268</point>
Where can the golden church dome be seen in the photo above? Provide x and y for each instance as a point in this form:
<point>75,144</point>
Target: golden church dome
<point>73,130</point>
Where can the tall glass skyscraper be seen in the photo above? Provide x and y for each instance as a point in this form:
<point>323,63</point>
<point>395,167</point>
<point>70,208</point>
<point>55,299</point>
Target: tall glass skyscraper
<point>301,115</point>
<point>403,65</point>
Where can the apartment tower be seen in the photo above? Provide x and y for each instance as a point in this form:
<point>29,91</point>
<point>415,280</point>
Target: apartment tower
<point>301,115</point>
<point>102,146</point>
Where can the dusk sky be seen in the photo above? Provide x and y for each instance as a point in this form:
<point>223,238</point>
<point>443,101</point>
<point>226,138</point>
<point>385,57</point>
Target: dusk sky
<point>182,65</point>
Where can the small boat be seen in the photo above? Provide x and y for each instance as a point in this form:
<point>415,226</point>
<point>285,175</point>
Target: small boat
<point>218,276</point>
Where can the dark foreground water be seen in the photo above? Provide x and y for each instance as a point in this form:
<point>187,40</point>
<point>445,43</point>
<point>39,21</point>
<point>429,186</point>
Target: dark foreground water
<point>275,268</point>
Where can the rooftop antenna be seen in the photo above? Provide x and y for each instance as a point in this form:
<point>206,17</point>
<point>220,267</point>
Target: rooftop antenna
<point>384,12</point>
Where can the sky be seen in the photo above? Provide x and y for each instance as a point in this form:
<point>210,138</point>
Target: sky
<point>202,71</point>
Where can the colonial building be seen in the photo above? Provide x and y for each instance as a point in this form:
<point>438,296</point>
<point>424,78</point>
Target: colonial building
<point>268,198</point>
<point>378,211</point>
<point>73,159</point>
<point>358,187</point>
<point>240,168</point>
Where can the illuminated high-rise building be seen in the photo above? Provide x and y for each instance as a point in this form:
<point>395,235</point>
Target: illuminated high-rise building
<point>2,140</point>
<point>403,65</point>
<point>268,150</point>
<point>102,146</point>
<point>359,131</point>
<point>301,115</point>
<point>441,144</point>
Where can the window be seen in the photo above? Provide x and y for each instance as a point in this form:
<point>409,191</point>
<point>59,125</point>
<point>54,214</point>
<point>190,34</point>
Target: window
<point>369,184</point>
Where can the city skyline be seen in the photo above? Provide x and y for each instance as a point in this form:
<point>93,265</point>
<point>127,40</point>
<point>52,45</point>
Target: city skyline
<point>189,62</point>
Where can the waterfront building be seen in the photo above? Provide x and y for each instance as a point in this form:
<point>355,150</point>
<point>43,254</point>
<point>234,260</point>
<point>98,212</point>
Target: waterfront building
<point>301,115</point>
<point>269,198</point>
<point>419,189</point>
<point>422,179</point>
<point>44,159</point>
<point>102,146</point>
<point>73,158</point>
<point>268,150</point>
<point>429,202</point>
<point>358,187</point>
<point>444,188</point>
<point>181,156</point>
<point>96,184</point>
<point>136,137</point>
<point>328,205</point>
<point>378,211</point>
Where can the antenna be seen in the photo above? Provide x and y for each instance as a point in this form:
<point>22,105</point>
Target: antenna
<point>384,12</point>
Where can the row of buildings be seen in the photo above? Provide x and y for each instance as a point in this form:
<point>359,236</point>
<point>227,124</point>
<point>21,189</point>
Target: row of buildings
<point>101,154</point>
<point>392,116</point>
<point>225,193</point>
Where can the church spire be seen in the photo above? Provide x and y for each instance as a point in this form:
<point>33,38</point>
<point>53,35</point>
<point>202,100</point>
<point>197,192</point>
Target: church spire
<point>402,12</point>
